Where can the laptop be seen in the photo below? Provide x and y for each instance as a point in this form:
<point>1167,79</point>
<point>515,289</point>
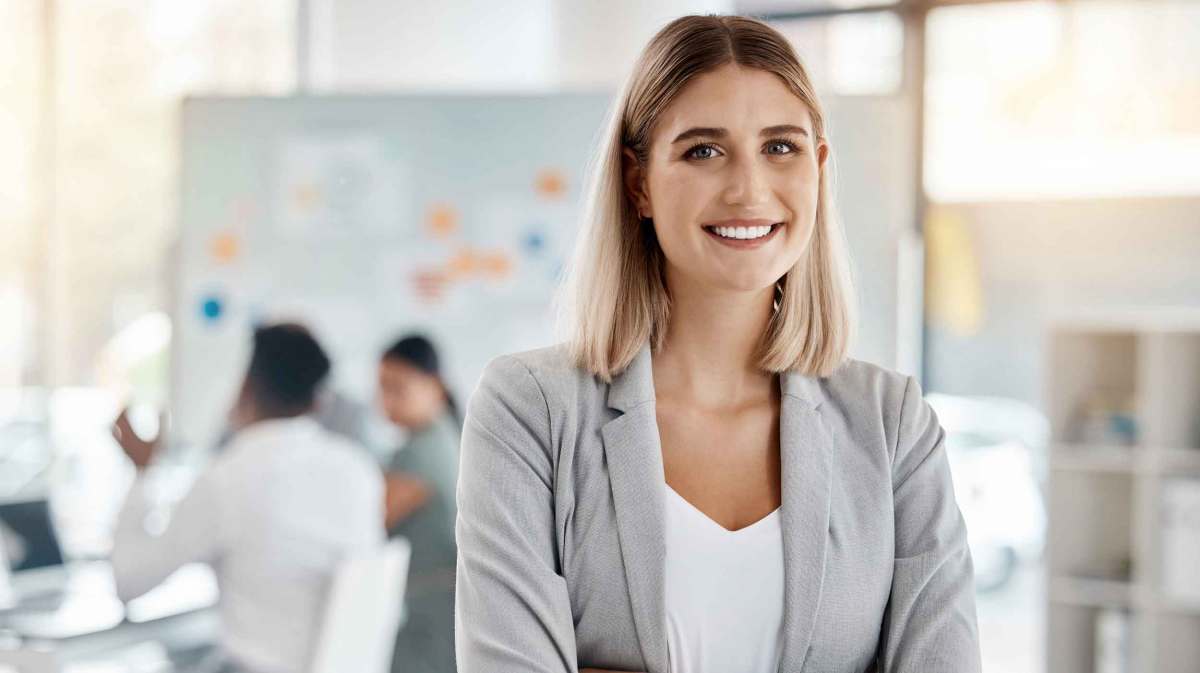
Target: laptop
<point>29,546</point>
<point>51,599</point>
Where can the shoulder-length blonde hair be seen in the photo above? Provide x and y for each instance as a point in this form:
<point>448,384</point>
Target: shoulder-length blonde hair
<point>615,295</point>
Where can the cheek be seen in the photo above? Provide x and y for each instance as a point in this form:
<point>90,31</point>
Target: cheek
<point>680,199</point>
<point>677,195</point>
<point>799,191</point>
<point>389,402</point>
<point>430,393</point>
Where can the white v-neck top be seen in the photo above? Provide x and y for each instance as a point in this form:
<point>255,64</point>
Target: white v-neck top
<point>724,592</point>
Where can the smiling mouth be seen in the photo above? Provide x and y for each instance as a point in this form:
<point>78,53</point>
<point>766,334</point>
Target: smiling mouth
<point>740,236</point>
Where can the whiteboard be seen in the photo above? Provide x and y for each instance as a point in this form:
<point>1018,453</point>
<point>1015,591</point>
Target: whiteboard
<point>366,217</point>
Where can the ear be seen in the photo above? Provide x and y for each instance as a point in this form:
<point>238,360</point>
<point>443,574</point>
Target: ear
<point>822,152</point>
<point>243,407</point>
<point>635,182</point>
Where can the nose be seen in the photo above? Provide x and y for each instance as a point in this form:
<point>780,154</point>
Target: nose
<point>747,186</point>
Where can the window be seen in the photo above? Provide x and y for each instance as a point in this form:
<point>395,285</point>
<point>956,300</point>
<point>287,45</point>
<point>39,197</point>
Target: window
<point>19,101</point>
<point>859,54</point>
<point>87,210</point>
<point>1050,99</point>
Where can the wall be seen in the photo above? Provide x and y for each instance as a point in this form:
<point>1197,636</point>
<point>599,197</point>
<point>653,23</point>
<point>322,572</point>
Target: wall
<point>1036,259</point>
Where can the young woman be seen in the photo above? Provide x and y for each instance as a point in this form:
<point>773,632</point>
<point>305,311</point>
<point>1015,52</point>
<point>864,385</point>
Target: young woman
<point>419,499</point>
<point>699,479</point>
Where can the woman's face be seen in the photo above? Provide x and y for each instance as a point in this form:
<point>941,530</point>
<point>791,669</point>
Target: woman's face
<point>732,157</point>
<point>409,397</point>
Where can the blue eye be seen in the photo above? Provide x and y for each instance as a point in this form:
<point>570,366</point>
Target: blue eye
<point>702,151</point>
<point>779,147</point>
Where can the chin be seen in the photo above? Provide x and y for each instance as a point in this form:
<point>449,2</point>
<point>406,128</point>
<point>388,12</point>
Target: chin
<point>756,284</point>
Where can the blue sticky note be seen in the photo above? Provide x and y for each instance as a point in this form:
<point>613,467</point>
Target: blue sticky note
<point>534,241</point>
<point>212,308</point>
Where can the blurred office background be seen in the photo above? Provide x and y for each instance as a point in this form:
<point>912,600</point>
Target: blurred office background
<point>1019,182</point>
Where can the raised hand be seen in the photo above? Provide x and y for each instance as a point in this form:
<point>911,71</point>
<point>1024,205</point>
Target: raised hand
<point>140,451</point>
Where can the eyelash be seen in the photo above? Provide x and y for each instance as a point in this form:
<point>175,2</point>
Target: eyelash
<point>793,148</point>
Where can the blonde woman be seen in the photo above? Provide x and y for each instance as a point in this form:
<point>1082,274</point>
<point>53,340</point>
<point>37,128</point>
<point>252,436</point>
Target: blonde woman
<point>699,480</point>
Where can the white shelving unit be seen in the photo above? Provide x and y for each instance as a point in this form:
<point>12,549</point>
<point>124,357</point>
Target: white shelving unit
<point>1105,542</point>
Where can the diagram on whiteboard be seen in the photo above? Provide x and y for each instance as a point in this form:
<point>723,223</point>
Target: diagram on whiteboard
<point>337,185</point>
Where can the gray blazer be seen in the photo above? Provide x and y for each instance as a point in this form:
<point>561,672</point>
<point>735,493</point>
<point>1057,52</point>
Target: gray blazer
<point>560,525</point>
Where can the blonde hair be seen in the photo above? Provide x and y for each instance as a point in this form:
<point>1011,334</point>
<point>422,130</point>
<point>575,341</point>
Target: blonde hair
<point>615,296</point>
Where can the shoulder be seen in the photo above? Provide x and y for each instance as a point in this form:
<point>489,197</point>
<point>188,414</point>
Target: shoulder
<point>858,384</point>
<point>866,394</point>
<point>549,365</point>
<point>537,392</point>
<point>348,459</point>
<point>545,374</point>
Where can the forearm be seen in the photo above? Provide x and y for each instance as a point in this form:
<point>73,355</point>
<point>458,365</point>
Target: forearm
<point>403,495</point>
<point>141,560</point>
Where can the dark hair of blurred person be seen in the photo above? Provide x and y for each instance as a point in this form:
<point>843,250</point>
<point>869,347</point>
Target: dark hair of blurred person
<point>287,368</point>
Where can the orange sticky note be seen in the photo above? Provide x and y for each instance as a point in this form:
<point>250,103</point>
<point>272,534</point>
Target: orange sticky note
<point>225,247</point>
<point>497,265</point>
<point>551,183</point>
<point>463,263</point>
<point>442,220</point>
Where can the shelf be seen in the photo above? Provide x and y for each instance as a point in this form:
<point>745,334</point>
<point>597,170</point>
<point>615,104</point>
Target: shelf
<point>1177,606</point>
<point>1092,377</point>
<point>1183,462</point>
<point>1067,457</point>
<point>1095,592</point>
<point>1094,458</point>
<point>1110,379</point>
<point>1141,319</point>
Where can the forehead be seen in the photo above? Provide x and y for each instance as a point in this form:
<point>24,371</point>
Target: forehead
<point>735,98</point>
<point>397,368</point>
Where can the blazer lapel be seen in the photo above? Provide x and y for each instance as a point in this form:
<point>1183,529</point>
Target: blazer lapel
<point>634,456</point>
<point>806,468</point>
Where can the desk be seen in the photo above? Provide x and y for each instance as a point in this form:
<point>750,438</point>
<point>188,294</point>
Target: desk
<point>90,625</point>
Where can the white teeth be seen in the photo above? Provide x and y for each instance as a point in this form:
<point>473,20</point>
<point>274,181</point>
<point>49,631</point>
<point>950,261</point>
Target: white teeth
<point>742,232</point>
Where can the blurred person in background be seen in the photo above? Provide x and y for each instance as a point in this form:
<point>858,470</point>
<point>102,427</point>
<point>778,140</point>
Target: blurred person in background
<point>274,514</point>
<point>420,497</point>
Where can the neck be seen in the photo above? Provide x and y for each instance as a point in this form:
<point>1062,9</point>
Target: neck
<point>708,355</point>
<point>250,414</point>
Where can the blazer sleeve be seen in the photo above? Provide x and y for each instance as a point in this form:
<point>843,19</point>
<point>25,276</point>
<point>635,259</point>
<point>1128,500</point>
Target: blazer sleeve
<point>512,610</point>
<point>930,624</point>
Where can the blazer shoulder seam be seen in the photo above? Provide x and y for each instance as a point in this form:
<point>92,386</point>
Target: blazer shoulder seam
<point>900,422</point>
<point>545,401</point>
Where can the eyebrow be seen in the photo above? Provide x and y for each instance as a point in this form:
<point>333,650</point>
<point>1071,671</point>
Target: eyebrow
<point>784,129</point>
<point>716,132</point>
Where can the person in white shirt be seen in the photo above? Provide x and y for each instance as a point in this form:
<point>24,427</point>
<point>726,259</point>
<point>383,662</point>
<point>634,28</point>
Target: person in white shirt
<point>274,514</point>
